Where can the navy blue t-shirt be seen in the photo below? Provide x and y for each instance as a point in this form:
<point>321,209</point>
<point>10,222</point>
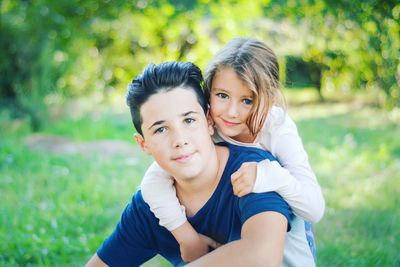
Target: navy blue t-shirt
<point>138,237</point>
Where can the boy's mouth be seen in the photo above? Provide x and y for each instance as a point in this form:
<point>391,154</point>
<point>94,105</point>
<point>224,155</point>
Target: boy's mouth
<point>183,158</point>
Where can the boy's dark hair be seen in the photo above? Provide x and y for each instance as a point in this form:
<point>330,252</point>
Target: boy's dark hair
<point>163,78</point>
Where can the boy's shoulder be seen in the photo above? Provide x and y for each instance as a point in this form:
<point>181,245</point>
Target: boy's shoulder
<point>140,209</point>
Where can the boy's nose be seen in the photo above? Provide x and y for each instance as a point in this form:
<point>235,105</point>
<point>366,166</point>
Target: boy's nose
<point>179,139</point>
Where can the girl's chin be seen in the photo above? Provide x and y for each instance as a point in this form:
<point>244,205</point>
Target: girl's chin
<point>229,133</point>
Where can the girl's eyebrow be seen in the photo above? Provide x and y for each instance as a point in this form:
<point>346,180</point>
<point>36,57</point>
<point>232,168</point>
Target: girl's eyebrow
<point>226,91</point>
<point>217,88</point>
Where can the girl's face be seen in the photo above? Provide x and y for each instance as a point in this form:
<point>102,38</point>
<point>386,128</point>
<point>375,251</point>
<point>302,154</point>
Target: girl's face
<point>231,101</point>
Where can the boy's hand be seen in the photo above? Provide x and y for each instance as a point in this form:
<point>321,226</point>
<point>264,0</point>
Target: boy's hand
<point>197,247</point>
<point>244,178</point>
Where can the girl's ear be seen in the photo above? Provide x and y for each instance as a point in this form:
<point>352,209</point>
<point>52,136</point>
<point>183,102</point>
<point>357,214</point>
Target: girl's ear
<point>142,143</point>
<point>210,123</point>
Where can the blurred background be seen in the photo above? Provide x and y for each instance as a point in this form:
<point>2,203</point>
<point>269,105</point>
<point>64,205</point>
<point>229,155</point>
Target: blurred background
<point>68,163</point>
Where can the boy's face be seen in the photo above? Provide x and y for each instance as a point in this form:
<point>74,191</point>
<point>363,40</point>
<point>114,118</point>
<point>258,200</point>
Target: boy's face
<point>176,133</point>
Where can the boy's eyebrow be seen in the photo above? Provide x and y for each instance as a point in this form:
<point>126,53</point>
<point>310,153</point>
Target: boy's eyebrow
<point>163,121</point>
<point>188,113</point>
<point>156,123</point>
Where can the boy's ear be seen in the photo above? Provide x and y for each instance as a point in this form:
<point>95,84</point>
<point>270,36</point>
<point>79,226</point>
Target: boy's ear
<point>210,123</point>
<point>141,142</point>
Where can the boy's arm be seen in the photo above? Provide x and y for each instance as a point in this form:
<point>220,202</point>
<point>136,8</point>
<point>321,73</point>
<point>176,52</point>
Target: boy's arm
<point>95,261</point>
<point>261,244</point>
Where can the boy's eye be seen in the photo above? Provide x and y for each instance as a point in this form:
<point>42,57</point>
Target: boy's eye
<point>247,101</point>
<point>159,130</point>
<point>189,120</point>
<point>222,95</point>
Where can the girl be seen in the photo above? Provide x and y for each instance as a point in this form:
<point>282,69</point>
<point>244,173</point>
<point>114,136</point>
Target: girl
<point>247,108</point>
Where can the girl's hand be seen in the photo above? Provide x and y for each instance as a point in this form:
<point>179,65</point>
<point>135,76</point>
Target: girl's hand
<point>244,178</point>
<point>197,247</point>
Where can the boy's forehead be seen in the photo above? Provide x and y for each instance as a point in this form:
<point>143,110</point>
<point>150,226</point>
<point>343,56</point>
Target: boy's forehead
<point>178,96</point>
<point>168,104</point>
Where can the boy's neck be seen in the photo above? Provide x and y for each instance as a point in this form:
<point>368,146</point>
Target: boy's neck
<point>194,194</point>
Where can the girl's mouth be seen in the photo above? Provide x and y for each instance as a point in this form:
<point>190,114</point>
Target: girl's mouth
<point>230,124</point>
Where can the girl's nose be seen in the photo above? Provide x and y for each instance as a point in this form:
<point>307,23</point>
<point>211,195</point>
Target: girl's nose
<point>233,110</point>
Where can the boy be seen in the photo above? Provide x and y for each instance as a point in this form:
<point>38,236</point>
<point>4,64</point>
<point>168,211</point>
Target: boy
<point>168,110</point>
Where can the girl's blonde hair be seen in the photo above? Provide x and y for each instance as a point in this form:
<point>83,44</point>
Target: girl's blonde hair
<point>257,66</point>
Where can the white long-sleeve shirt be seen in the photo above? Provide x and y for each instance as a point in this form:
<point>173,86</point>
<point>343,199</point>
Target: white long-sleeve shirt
<point>292,177</point>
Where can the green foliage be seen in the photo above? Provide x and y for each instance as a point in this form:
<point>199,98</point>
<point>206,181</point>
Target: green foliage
<point>52,49</point>
<point>358,42</point>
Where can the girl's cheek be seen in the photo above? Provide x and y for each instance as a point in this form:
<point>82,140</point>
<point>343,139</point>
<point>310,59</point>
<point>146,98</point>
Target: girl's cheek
<point>212,115</point>
<point>217,105</point>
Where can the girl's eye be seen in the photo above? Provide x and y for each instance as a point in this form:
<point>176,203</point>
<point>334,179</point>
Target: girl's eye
<point>247,101</point>
<point>189,120</point>
<point>160,130</point>
<point>222,95</point>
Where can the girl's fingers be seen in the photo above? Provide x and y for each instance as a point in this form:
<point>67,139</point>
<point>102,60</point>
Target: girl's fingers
<point>243,191</point>
<point>235,176</point>
<point>241,188</point>
<point>236,182</point>
<point>241,171</point>
<point>240,182</point>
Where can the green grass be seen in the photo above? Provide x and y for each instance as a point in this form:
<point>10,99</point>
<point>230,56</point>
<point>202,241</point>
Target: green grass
<point>355,153</point>
<point>57,209</point>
